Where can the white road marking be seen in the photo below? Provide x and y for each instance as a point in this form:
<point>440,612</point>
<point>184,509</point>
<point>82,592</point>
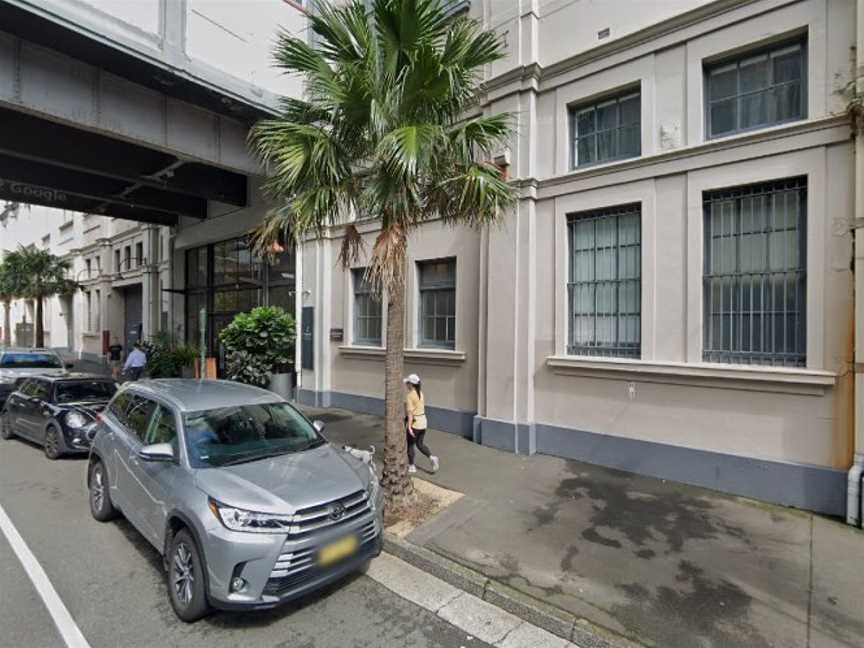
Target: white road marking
<point>69,630</point>
<point>474,616</point>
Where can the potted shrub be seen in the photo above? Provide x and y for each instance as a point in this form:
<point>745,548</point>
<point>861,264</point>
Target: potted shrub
<point>168,359</point>
<point>259,348</point>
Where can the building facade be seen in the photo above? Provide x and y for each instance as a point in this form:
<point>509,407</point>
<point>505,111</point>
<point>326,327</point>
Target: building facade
<point>673,295</point>
<point>120,266</point>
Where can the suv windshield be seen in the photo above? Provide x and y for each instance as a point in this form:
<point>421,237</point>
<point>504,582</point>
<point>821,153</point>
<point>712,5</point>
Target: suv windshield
<point>30,361</point>
<point>85,390</point>
<point>232,435</point>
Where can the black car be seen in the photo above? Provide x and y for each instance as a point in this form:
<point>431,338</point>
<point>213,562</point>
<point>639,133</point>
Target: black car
<point>57,412</point>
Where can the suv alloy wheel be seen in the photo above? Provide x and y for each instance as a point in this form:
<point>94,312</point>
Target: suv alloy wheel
<point>185,578</point>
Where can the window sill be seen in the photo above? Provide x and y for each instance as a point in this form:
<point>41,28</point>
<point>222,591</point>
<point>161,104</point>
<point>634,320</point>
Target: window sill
<point>427,356</point>
<point>743,377</point>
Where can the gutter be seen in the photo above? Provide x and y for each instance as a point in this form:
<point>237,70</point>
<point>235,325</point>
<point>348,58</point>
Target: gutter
<point>854,503</point>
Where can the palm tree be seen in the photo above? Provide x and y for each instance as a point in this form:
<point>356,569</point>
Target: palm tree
<point>10,288</point>
<point>388,130</point>
<point>40,274</point>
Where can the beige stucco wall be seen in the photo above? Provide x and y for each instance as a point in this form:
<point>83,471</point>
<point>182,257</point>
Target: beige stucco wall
<point>511,279</point>
<point>788,422</point>
<point>449,378</point>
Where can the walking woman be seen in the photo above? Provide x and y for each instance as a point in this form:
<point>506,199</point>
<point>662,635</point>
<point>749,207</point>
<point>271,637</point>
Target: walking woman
<point>415,420</point>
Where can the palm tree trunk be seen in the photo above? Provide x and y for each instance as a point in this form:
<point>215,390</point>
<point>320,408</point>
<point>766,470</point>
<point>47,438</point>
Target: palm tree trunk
<point>7,322</point>
<point>40,330</point>
<point>398,487</point>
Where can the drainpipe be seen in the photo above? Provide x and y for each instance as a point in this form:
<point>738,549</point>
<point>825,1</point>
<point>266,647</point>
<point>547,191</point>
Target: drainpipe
<point>854,490</point>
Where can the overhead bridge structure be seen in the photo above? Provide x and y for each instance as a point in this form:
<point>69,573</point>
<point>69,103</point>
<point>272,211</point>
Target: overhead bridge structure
<point>104,117</point>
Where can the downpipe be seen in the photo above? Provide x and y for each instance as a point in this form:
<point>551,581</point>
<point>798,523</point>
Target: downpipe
<point>854,492</point>
<point>854,502</point>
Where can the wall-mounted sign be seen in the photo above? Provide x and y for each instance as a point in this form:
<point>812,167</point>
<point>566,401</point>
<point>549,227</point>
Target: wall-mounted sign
<point>337,335</point>
<point>307,338</point>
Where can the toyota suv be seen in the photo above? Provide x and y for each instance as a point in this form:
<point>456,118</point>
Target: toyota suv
<point>247,502</point>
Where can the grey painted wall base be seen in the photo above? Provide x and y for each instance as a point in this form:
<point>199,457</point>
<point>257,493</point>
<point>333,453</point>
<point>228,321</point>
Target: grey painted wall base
<point>804,486</point>
<point>447,420</point>
<point>520,438</point>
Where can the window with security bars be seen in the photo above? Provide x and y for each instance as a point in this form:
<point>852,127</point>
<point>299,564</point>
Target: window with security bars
<point>754,287</point>
<point>367,311</point>
<point>608,130</point>
<point>757,90</point>
<point>605,282</point>
<point>437,292</point>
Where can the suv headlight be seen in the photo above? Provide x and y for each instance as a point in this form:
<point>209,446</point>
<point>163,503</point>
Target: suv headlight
<point>237,519</point>
<point>76,420</point>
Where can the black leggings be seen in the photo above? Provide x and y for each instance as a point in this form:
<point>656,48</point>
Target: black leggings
<point>417,440</point>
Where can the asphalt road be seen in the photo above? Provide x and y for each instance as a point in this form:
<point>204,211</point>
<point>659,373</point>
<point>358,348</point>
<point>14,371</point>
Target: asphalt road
<point>110,580</point>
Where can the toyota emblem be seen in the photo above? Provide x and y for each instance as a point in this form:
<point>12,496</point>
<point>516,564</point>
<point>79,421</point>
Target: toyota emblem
<point>337,511</point>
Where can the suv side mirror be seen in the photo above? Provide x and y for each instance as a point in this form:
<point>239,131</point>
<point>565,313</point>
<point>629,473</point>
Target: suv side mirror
<point>69,365</point>
<point>157,452</point>
<point>318,425</point>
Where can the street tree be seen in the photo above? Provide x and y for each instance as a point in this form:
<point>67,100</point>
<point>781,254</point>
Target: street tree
<point>388,130</point>
<point>40,274</point>
<point>11,287</point>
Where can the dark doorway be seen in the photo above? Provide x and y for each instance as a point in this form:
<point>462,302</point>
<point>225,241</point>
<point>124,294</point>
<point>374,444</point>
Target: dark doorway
<point>133,301</point>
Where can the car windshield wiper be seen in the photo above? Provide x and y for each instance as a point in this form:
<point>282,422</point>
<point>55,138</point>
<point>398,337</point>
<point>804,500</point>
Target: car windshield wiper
<point>255,456</point>
<point>314,443</point>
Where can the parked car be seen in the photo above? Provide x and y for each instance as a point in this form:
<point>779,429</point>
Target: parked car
<point>247,502</point>
<point>58,412</point>
<point>17,363</point>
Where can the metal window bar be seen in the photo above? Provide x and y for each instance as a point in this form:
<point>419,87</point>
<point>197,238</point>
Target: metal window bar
<point>754,283</point>
<point>605,283</point>
<point>367,312</point>
<point>437,293</point>
<point>774,92</point>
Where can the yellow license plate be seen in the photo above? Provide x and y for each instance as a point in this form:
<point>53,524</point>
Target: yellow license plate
<point>336,551</point>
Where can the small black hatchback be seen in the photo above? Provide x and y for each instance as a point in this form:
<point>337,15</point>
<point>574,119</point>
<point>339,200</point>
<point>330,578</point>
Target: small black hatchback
<point>57,412</point>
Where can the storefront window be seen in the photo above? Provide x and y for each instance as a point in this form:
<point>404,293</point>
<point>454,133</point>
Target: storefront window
<point>226,278</point>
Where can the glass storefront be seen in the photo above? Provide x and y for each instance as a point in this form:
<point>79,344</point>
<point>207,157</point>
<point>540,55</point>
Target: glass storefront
<point>226,278</point>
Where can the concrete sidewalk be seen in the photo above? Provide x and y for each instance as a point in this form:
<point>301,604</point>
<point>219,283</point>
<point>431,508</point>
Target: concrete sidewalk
<point>660,563</point>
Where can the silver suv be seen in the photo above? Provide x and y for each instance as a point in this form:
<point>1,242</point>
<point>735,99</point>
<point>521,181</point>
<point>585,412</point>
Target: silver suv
<point>247,503</point>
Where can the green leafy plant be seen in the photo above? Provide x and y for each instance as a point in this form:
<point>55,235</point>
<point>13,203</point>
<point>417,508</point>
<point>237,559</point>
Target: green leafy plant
<point>258,344</point>
<point>166,358</point>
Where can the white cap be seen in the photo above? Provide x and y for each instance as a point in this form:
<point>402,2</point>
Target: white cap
<point>414,379</point>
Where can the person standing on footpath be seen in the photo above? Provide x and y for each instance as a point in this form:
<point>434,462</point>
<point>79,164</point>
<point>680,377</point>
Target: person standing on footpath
<point>115,352</point>
<point>415,422</point>
<point>135,363</point>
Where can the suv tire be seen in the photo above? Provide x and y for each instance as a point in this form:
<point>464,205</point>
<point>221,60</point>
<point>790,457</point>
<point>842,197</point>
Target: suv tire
<point>101,506</point>
<point>185,578</point>
<point>6,427</point>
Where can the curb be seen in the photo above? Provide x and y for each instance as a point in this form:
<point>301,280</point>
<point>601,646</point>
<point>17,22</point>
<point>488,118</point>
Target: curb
<point>548,617</point>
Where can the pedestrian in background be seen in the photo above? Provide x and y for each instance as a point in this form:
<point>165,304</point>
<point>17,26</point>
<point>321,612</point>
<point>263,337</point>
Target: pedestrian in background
<point>115,352</point>
<point>135,363</point>
<point>415,422</point>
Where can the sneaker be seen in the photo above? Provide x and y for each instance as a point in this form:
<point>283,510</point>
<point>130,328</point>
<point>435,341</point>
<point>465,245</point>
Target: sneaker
<point>435,463</point>
<point>412,468</point>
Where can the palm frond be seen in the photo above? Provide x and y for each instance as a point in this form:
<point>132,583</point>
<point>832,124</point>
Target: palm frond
<point>352,246</point>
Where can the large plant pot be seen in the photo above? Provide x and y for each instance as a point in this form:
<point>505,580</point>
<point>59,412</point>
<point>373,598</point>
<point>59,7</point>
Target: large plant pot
<point>282,384</point>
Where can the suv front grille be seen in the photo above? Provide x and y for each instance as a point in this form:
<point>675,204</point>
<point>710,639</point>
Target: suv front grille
<point>331,515</point>
<point>294,567</point>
